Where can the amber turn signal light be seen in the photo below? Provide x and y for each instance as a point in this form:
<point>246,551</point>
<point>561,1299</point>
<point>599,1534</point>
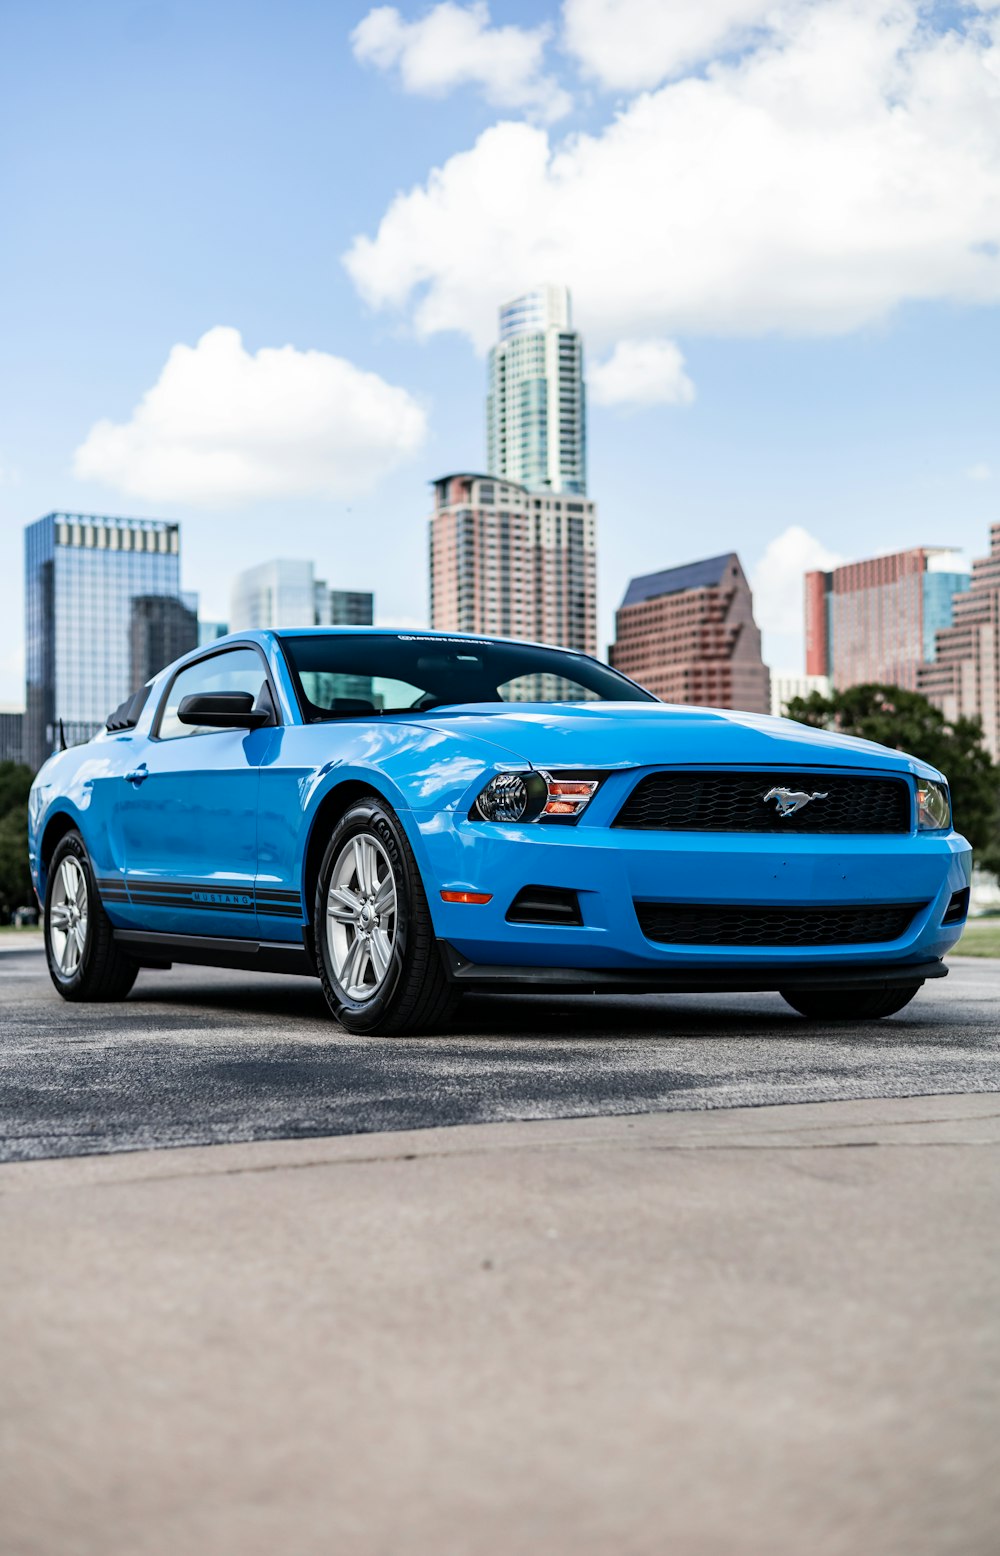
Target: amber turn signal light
<point>568,796</point>
<point>467,896</point>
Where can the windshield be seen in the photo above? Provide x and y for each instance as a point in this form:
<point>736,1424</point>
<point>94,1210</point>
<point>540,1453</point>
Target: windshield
<point>340,676</point>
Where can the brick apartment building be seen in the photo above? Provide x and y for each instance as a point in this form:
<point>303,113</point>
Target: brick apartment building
<point>688,634</point>
<point>877,620</point>
<point>964,678</point>
<point>513,562</point>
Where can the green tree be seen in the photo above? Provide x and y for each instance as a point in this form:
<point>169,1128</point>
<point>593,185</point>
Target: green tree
<point>906,721</point>
<point>15,878</point>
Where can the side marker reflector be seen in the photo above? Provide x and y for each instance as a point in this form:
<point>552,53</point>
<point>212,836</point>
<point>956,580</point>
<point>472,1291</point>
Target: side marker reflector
<point>467,896</point>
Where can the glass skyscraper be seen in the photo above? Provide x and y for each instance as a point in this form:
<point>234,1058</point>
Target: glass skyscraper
<point>82,574</point>
<point>284,593</point>
<point>535,408</point>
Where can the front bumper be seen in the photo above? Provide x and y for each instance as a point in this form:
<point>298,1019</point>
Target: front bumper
<point>610,869</point>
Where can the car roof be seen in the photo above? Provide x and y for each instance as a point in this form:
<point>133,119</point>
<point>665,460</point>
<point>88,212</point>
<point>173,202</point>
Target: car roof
<point>405,634</point>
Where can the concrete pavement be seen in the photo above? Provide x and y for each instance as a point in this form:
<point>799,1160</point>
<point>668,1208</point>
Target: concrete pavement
<point>757,1332</point>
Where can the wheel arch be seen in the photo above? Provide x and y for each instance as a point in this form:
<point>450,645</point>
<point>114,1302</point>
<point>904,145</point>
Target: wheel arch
<point>331,807</point>
<point>55,829</point>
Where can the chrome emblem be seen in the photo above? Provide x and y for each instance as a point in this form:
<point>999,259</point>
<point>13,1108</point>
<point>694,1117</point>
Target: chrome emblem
<point>791,800</point>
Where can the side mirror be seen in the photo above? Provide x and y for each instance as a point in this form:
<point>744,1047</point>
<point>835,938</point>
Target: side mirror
<point>222,710</point>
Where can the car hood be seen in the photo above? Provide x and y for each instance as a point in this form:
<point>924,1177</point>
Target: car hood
<point>629,734</point>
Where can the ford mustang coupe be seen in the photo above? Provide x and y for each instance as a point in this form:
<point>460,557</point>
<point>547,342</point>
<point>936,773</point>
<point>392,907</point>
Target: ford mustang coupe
<point>410,815</point>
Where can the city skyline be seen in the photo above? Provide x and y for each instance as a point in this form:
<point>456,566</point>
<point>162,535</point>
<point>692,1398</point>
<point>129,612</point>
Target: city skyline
<point>753,384</point>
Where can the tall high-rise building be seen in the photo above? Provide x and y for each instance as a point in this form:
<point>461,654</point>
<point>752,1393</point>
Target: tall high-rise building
<point>162,628</point>
<point>688,634</point>
<point>964,678</point>
<point>344,607</point>
<point>877,620</point>
<point>283,593</point>
<point>535,407</point>
<point>513,562</point>
<point>11,735</point>
<point>279,593</point>
<point>82,573</point>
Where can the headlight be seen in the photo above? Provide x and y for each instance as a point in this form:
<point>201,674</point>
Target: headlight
<point>511,797</point>
<point>933,806</point>
<point>514,797</point>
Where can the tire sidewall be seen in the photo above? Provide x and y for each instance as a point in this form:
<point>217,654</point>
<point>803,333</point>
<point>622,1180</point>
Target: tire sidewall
<point>71,844</point>
<point>851,1007</point>
<point>365,815</point>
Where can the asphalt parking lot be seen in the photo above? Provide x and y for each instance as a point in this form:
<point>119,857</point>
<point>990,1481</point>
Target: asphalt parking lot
<point>199,1057</point>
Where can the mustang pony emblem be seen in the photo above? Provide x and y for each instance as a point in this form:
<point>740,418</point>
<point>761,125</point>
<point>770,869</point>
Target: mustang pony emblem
<point>791,800</point>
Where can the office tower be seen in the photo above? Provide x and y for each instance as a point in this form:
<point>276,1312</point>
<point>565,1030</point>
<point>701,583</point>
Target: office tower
<point>688,634</point>
<point>877,620</point>
<point>344,607</point>
<point>82,573</point>
<point>512,562</point>
<point>162,628</point>
<point>11,735</point>
<point>273,594</point>
<point>786,685</point>
<point>964,678</point>
<point>535,409</point>
<point>283,593</point>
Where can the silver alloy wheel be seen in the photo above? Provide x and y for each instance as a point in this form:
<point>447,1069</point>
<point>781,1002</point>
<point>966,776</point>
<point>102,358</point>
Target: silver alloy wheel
<point>361,916</point>
<point>68,916</point>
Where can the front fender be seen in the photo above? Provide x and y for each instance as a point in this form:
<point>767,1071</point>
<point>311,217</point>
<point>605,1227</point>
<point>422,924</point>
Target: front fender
<point>419,771</point>
<point>79,787</point>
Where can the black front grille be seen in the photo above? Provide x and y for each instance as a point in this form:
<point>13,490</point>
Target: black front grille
<point>717,801</point>
<point>683,923</point>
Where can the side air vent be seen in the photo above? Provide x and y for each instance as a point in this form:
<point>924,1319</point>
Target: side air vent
<point>545,905</point>
<point>958,908</point>
<point>126,715</point>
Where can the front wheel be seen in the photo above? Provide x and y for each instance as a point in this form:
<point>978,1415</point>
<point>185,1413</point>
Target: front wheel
<point>850,1004</point>
<point>84,961</point>
<point>376,953</point>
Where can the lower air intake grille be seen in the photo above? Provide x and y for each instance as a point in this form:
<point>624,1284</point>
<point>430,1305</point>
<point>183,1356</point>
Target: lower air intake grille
<point>679,923</point>
<point>717,801</point>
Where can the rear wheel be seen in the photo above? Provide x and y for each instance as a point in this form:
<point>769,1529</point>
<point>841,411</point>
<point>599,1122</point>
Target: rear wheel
<point>84,961</point>
<point>850,1004</point>
<point>376,953</point>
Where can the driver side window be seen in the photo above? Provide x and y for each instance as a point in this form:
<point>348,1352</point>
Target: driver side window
<point>236,670</point>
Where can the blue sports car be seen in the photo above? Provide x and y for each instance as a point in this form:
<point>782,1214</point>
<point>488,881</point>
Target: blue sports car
<point>410,815</point>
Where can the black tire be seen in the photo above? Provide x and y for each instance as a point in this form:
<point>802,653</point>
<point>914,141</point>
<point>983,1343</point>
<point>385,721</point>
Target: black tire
<point>850,1004</point>
<point>103,971</point>
<point>414,996</point>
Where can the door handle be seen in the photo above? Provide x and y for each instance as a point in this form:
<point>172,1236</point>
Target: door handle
<point>138,774</point>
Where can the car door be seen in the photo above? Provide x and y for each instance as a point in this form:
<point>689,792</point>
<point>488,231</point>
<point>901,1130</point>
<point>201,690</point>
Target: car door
<point>189,811</point>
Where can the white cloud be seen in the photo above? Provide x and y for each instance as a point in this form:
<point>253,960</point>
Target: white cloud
<point>456,45</point>
<point>637,43</point>
<point>845,164</point>
<point>980,472</point>
<point>221,426</point>
<point>641,372</point>
<point>777,580</point>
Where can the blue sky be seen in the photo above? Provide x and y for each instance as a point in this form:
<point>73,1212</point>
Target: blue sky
<point>170,168</point>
